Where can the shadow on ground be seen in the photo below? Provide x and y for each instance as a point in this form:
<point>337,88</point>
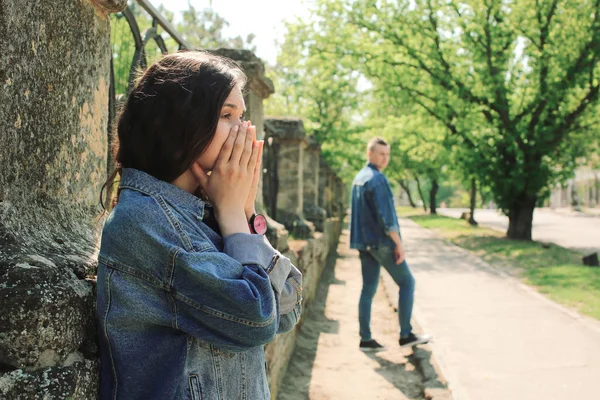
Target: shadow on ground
<point>300,371</point>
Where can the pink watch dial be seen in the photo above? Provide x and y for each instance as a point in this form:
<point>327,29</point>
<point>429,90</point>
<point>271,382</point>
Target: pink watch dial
<point>259,224</point>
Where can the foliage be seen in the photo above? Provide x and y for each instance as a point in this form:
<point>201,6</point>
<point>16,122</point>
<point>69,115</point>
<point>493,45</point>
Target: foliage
<point>324,92</point>
<point>511,82</point>
<point>338,106</point>
<point>201,29</point>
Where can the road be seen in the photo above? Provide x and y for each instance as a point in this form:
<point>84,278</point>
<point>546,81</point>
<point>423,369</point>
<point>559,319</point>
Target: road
<point>579,232</point>
<point>494,337</point>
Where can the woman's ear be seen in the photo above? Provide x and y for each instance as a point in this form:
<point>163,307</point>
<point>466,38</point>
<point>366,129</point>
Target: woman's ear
<point>199,174</point>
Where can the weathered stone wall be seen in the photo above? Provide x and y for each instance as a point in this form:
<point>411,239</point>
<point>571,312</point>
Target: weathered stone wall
<point>311,172</point>
<point>54,73</point>
<point>312,211</point>
<point>325,195</point>
<point>287,142</point>
<point>289,139</point>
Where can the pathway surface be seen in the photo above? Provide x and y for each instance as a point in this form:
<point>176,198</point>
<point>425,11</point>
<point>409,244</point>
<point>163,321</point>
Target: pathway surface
<point>327,363</point>
<point>495,338</point>
<point>577,231</point>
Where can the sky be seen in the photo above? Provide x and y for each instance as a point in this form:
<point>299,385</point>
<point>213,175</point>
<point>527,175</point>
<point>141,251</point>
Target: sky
<point>264,18</point>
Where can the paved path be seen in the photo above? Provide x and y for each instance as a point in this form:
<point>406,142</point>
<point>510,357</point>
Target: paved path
<point>327,363</point>
<point>495,338</point>
<point>580,232</point>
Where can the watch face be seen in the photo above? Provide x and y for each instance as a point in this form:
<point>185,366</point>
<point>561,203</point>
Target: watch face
<point>260,224</point>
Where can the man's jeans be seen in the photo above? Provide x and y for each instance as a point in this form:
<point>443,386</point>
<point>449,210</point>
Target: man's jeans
<point>371,261</point>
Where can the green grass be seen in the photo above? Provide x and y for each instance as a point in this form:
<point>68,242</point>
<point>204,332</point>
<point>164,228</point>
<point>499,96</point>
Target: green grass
<point>555,271</point>
<point>409,211</point>
<point>576,286</point>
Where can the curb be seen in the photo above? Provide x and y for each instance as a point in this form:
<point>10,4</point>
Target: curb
<point>434,381</point>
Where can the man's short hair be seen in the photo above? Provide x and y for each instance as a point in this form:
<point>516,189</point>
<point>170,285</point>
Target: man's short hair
<point>375,141</point>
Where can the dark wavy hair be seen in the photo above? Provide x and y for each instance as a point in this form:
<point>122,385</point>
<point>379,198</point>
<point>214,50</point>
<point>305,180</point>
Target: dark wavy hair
<point>171,114</point>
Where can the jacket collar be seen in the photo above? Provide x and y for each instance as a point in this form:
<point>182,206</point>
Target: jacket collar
<point>372,166</point>
<point>143,182</point>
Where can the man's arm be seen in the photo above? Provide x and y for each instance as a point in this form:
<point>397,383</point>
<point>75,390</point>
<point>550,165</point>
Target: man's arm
<point>399,250</point>
<point>385,208</point>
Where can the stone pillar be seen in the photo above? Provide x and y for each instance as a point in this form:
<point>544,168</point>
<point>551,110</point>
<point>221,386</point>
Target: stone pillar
<point>259,87</point>
<point>54,74</point>
<point>312,211</point>
<point>341,198</point>
<point>287,142</point>
<point>325,187</point>
<point>338,203</point>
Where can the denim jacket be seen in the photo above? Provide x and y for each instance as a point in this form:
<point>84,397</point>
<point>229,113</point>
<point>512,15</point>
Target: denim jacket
<point>373,211</point>
<point>182,312</point>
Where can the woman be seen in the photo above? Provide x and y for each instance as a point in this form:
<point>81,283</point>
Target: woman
<point>188,291</point>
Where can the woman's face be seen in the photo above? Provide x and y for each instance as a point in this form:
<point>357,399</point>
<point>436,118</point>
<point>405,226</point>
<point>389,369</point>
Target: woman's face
<point>232,114</point>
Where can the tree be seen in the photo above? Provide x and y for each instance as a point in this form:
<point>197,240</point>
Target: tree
<point>511,82</point>
<point>203,29</point>
<point>418,150</point>
<point>404,184</point>
<point>323,92</point>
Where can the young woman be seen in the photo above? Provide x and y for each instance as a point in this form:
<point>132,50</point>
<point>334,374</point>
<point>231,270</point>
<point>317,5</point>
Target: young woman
<point>189,289</point>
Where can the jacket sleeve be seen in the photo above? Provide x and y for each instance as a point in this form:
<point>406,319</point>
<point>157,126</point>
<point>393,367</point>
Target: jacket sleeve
<point>230,298</point>
<point>289,293</point>
<point>384,203</point>
<point>290,300</point>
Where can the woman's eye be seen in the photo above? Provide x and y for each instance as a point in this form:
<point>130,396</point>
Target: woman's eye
<point>227,116</point>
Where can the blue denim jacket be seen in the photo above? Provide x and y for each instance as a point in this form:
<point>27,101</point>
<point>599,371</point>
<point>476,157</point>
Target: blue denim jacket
<point>183,313</point>
<point>373,211</point>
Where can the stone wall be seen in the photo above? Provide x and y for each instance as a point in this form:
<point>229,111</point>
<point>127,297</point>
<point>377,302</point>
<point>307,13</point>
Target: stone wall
<point>55,76</point>
<point>312,211</point>
<point>283,156</point>
<point>54,73</point>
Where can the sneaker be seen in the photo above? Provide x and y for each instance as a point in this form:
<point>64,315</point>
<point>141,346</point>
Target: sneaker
<point>370,345</point>
<point>413,340</point>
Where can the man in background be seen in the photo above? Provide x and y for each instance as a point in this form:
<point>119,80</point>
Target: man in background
<point>375,233</point>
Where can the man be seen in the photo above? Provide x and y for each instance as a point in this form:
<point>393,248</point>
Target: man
<point>375,233</point>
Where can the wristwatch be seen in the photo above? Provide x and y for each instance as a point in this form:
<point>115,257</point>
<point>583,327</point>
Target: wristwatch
<point>258,224</point>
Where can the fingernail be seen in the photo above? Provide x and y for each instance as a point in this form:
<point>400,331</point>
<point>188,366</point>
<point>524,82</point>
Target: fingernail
<point>236,128</point>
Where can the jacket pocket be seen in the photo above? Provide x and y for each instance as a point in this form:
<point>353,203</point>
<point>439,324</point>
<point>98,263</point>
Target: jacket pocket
<point>195,388</point>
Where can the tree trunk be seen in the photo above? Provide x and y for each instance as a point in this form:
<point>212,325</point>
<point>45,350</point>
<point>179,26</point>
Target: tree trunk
<point>433,197</point>
<point>597,185</point>
<point>520,219</point>
<point>575,203</point>
<point>483,197</point>
<point>473,202</point>
<point>406,188</point>
<point>421,193</point>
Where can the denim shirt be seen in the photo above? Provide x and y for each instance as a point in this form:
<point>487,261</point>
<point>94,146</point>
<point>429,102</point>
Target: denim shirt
<point>182,312</point>
<point>373,211</point>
